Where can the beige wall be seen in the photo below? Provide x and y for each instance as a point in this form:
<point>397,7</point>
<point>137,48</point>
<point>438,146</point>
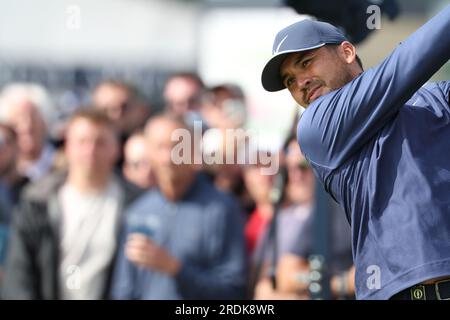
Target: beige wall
<point>381,43</point>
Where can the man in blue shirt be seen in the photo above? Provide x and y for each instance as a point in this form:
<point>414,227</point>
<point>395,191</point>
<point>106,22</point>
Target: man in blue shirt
<point>379,141</point>
<point>183,239</point>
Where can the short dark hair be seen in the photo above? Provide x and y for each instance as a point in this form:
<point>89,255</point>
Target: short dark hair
<point>115,83</point>
<point>358,59</point>
<point>167,116</point>
<point>134,94</point>
<point>193,76</point>
<point>94,115</point>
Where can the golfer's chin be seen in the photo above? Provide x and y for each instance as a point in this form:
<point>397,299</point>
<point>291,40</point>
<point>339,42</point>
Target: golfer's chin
<point>316,95</point>
<point>305,104</point>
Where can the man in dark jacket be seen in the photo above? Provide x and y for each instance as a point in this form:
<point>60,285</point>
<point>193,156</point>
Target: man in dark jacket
<point>64,236</point>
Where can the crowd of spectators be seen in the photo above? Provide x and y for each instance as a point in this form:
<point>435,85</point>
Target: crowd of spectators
<point>108,212</point>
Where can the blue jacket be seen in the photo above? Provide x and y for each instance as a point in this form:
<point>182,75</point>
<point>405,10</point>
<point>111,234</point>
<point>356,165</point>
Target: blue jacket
<point>204,230</point>
<point>381,147</point>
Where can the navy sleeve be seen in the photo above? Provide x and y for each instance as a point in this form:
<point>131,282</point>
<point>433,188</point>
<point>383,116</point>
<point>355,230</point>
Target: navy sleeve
<point>339,123</point>
<point>445,87</point>
<point>226,277</point>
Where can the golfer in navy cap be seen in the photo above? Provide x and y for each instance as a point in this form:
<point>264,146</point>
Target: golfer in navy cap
<point>379,141</point>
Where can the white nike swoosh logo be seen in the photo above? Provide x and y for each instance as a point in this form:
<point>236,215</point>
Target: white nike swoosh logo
<point>279,45</point>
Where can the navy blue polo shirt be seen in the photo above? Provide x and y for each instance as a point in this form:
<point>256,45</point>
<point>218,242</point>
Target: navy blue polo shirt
<point>204,230</point>
<point>381,147</point>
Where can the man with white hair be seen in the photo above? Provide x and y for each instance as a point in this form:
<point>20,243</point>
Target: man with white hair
<point>27,107</point>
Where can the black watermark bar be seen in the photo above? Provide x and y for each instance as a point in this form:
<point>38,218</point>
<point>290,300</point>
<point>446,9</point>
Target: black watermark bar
<point>229,310</point>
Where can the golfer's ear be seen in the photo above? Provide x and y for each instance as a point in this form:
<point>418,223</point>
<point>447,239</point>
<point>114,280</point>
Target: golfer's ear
<point>347,51</point>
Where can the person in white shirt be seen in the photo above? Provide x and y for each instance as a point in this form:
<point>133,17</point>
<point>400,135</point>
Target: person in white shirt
<point>64,240</point>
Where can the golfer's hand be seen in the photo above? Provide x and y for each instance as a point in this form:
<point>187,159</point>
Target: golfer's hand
<point>144,252</point>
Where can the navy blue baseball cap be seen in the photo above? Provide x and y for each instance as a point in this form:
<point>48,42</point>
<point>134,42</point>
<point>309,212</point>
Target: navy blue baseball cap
<point>300,36</point>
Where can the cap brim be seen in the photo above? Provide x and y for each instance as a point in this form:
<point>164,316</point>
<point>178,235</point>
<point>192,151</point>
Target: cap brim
<point>271,78</point>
